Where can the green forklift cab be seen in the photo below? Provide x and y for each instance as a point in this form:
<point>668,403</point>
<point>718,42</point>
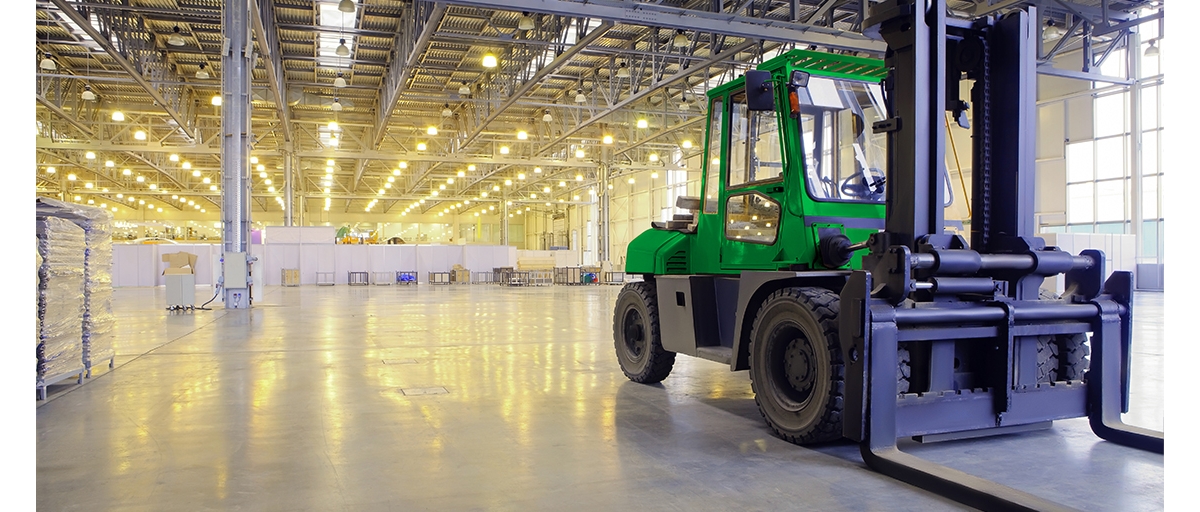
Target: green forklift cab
<point>776,181</point>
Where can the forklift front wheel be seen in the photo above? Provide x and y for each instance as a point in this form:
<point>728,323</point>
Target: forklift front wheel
<point>796,367</point>
<point>636,335</point>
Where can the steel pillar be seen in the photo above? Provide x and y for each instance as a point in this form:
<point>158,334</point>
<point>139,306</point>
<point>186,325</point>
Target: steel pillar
<point>504,220</point>
<point>603,232</point>
<point>288,192</point>
<point>1134,52</point>
<point>235,153</point>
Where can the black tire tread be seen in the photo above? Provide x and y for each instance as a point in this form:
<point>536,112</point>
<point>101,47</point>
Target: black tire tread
<point>825,305</point>
<point>661,361</point>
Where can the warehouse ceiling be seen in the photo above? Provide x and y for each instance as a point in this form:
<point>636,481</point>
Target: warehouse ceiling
<point>419,115</point>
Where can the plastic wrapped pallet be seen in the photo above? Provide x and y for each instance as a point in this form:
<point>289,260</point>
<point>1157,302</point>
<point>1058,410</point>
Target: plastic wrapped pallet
<point>60,298</point>
<point>98,320</point>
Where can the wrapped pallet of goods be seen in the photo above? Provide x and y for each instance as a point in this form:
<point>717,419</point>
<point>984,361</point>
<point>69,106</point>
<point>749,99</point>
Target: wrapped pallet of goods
<point>60,301</point>
<point>98,320</point>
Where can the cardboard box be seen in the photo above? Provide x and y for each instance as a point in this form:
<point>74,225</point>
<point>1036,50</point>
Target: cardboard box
<point>179,263</point>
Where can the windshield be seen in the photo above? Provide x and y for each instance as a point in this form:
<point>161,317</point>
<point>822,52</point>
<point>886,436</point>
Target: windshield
<point>844,160</point>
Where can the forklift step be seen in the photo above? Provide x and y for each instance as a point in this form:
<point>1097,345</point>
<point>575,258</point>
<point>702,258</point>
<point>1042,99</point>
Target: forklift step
<point>717,354</point>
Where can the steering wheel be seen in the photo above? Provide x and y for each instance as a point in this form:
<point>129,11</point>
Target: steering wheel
<point>868,184</point>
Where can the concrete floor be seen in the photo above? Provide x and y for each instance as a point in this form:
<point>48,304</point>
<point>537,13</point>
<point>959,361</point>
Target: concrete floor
<point>487,398</point>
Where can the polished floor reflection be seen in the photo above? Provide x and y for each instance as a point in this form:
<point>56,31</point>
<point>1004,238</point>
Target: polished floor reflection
<point>486,398</point>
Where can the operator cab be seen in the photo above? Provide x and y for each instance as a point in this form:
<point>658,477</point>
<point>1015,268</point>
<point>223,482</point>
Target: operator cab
<point>844,160</point>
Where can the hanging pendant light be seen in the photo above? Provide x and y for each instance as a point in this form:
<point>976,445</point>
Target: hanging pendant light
<point>346,6</point>
<point>118,116</point>
<point>1152,50</point>
<point>339,82</point>
<point>446,112</point>
<point>48,64</point>
<point>525,23</point>
<point>489,61</point>
<point>623,71</point>
<point>337,105</point>
<point>342,49</point>
<point>579,97</point>
<point>201,73</point>
<point>87,94</point>
<point>175,39</point>
<point>683,102</point>
<point>463,90</point>
<point>547,117</point>
<point>680,40</point>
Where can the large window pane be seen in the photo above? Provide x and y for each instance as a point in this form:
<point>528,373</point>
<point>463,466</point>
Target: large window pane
<point>712,184</point>
<point>1080,166</point>
<point>1150,239</point>
<point>1150,107</point>
<point>1115,64</point>
<point>766,152</point>
<point>1081,228</point>
<point>1110,158</point>
<point>1110,114</point>
<point>1150,197</point>
<point>1080,199</point>
<point>1111,228</point>
<point>1150,153</point>
<point>739,125</point>
<point>1110,200</point>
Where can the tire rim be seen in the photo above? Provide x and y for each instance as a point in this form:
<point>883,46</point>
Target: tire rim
<point>634,330</point>
<point>792,367</point>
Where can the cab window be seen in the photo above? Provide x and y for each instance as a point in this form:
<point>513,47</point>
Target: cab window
<point>752,217</point>
<point>844,160</point>
<point>712,159</point>
<point>755,152</point>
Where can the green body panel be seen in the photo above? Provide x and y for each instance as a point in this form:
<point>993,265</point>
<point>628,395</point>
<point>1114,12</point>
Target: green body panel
<point>658,252</point>
<point>708,250</point>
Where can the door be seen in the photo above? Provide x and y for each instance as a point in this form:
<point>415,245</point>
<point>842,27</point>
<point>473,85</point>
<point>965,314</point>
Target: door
<point>754,190</point>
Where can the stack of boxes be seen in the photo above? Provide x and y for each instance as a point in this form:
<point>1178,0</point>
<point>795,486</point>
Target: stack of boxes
<point>60,302</point>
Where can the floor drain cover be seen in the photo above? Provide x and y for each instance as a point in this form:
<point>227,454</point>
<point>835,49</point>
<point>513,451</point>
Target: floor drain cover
<point>424,391</point>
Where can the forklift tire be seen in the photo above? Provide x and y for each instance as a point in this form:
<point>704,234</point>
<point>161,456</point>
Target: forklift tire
<point>636,335</point>
<point>796,368</point>
<point>1062,357</point>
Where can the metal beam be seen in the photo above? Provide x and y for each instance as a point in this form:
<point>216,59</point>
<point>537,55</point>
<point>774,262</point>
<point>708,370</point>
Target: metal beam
<point>565,57</point>
<point>680,75</point>
<point>167,175</point>
<point>1046,69</point>
<point>63,114</point>
<point>268,39</point>
<point>107,45</point>
<point>821,11</point>
<point>359,166</point>
<point>673,129</point>
<point>653,15</point>
<point>396,80</point>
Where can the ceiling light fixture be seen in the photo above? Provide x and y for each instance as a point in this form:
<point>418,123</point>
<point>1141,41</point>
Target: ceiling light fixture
<point>680,40</point>
<point>525,22</point>
<point>336,106</point>
<point>579,97</point>
<point>187,165</point>
<point>608,139</point>
<point>340,81</point>
<point>342,50</point>
<point>503,150</point>
<point>461,174</point>
<point>175,39</point>
<point>546,118</point>
<point>623,71</point>
<point>87,94</point>
<point>118,116</point>
<point>51,170</point>
<point>490,61</point>
<point>687,144</point>
<point>432,130</point>
<point>642,123</point>
<point>463,90</point>
<point>522,135</point>
<point>653,157</point>
<point>48,64</point>
<point>579,153</point>
<point>578,177</point>
<point>1152,50</point>
<point>90,155</point>
<point>446,112</point>
<point>346,6</point>
<point>201,73</point>
<point>421,146</point>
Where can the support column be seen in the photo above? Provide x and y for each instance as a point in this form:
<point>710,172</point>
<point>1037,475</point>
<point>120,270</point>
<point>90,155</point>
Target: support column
<point>288,192</point>
<point>603,232</point>
<point>504,219</point>
<point>1134,51</point>
<point>235,150</point>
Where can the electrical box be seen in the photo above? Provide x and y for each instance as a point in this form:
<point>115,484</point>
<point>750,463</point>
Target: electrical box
<point>235,270</point>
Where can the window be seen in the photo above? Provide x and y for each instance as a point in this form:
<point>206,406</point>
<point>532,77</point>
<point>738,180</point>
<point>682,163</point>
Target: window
<point>761,158</point>
<point>843,159</point>
<point>712,159</point>
<point>752,218</point>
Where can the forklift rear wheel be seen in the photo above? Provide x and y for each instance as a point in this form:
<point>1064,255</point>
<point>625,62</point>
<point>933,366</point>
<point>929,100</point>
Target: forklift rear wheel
<point>636,335</point>
<point>796,368</point>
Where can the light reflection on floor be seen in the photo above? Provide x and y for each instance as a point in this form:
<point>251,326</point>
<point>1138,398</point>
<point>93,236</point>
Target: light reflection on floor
<point>298,405</point>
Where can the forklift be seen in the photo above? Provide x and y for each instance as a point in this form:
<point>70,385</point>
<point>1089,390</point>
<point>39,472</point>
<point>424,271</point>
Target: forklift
<point>817,257</point>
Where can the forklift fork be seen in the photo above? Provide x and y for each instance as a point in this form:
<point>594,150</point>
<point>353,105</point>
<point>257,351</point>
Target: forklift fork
<point>870,338</point>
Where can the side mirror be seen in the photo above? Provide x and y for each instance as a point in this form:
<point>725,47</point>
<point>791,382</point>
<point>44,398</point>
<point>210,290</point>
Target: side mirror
<point>760,91</point>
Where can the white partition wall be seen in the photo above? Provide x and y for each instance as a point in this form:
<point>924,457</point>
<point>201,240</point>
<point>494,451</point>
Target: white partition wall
<point>141,265</point>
